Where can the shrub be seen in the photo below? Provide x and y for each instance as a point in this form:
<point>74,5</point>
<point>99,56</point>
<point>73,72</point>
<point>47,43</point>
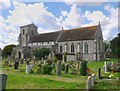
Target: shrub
<point>65,57</point>
<point>47,69</point>
<point>39,69</point>
<point>63,67</point>
<point>31,71</point>
<point>55,60</point>
<point>39,53</point>
<point>49,62</point>
<point>83,68</point>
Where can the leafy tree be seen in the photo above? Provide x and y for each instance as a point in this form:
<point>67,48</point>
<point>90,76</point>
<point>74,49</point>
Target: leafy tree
<point>39,53</point>
<point>115,46</point>
<point>7,50</point>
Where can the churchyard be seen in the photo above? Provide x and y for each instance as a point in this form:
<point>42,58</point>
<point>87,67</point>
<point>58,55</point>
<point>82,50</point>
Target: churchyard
<point>36,74</point>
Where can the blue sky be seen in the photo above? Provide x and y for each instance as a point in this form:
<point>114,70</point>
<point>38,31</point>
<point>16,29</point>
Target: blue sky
<point>52,16</point>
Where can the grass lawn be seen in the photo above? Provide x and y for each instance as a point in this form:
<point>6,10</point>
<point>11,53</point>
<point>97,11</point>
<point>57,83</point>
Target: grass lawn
<point>18,79</point>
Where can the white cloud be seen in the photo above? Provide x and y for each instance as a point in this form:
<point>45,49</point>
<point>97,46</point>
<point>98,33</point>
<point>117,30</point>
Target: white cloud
<point>23,14</point>
<point>4,4</point>
<point>64,13</point>
<point>35,13</point>
<point>73,18</point>
<point>83,2</point>
<point>108,23</point>
<point>8,33</point>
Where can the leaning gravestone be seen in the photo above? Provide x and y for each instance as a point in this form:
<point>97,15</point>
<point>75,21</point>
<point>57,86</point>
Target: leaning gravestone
<point>28,67</point>
<point>66,68</point>
<point>3,81</point>
<point>59,68</point>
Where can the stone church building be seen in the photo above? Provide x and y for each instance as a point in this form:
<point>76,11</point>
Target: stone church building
<point>84,43</point>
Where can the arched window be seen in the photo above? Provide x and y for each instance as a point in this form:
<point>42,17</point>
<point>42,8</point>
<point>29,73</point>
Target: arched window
<point>78,47</point>
<point>72,48</point>
<point>86,48</point>
<point>65,47</point>
<point>61,49</point>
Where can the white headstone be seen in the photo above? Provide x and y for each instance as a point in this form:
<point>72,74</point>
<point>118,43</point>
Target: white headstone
<point>89,83</point>
<point>77,66</point>
<point>44,62</point>
<point>28,69</point>
<point>105,67</point>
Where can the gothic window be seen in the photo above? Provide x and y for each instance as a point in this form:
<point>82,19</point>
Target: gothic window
<point>78,47</point>
<point>65,47</point>
<point>86,48</point>
<point>60,49</point>
<point>72,48</point>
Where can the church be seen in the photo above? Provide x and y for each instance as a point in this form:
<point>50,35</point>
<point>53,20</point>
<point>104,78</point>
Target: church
<point>85,43</point>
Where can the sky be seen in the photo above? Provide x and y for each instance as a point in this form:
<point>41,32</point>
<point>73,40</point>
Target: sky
<point>52,15</point>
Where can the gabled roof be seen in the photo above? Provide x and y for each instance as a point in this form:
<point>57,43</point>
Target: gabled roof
<point>85,33</point>
<point>29,25</point>
<point>46,37</point>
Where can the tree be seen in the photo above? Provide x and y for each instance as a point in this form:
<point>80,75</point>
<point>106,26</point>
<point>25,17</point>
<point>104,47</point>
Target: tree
<point>65,57</point>
<point>83,69</point>
<point>115,46</point>
<point>7,50</point>
<point>39,53</point>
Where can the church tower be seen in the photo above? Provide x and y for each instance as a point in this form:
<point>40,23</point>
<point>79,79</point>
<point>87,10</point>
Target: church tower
<point>25,34</point>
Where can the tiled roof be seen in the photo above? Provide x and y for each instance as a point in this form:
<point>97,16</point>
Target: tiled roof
<point>85,33</point>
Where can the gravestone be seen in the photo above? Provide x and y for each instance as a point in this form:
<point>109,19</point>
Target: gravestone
<point>3,81</point>
<point>66,68</point>
<point>89,81</point>
<point>59,68</point>
<point>42,59</point>
<point>45,62</point>
<point>93,79</point>
<point>99,73</point>
<point>28,67</point>
<point>77,66</point>
<point>16,64</point>
<point>105,67</point>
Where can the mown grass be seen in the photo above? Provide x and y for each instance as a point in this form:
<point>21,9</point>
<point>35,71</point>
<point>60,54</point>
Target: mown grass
<point>18,79</point>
